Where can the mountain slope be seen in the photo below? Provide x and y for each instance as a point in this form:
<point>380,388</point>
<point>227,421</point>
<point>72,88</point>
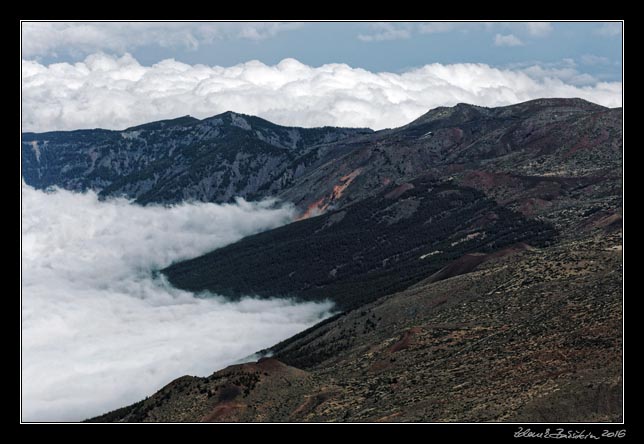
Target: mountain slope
<point>476,254</point>
<point>215,159</point>
<point>534,336</point>
<point>480,180</point>
<point>555,138</point>
<point>371,248</point>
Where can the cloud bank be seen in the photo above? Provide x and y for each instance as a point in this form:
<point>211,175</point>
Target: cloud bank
<point>507,40</point>
<point>613,29</point>
<point>118,92</point>
<point>82,38</point>
<point>52,38</point>
<point>100,331</point>
<point>383,31</point>
<point>538,29</point>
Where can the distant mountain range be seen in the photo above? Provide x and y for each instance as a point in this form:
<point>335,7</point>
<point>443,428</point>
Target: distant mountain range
<point>233,155</point>
<point>475,253</point>
<point>210,160</point>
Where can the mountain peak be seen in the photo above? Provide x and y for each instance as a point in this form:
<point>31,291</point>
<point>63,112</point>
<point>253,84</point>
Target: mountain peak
<point>243,121</point>
<point>186,120</point>
<point>458,113</point>
<point>463,112</point>
<point>557,102</point>
<point>229,113</point>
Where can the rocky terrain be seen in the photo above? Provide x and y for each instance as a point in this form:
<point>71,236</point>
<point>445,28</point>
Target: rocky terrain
<point>475,255</point>
<point>504,151</point>
<point>530,337</point>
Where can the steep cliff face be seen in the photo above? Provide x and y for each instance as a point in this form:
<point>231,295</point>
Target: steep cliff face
<point>214,159</point>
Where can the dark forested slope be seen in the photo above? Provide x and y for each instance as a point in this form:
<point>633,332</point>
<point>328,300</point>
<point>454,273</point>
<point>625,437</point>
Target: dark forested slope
<point>374,247</point>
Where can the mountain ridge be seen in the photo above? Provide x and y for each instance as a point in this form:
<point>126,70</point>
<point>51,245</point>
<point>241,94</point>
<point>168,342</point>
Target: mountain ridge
<point>311,174</point>
<point>214,159</point>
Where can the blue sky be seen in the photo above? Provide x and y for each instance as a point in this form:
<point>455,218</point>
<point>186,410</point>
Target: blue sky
<point>390,63</point>
<point>368,45</point>
<point>319,43</point>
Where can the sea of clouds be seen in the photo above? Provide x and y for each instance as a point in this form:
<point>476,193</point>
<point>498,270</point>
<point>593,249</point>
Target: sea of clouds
<point>105,91</point>
<point>101,330</point>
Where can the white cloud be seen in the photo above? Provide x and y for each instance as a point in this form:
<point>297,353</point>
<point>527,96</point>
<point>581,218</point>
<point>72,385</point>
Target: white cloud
<point>440,27</point>
<point>567,74</point>
<point>611,29</point>
<point>592,59</point>
<point>50,38</point>
<point>398,30</point>
<point>507,40</point>
<point>383,31</point>
<point>538,29</point>
<point>110,92</point>
<point>387,31</point>
<point>564,70</point>
<point>99,331</point>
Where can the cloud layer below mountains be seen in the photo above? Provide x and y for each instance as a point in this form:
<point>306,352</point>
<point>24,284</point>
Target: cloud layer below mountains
<point>117,92</point>
<point>99,331</point>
